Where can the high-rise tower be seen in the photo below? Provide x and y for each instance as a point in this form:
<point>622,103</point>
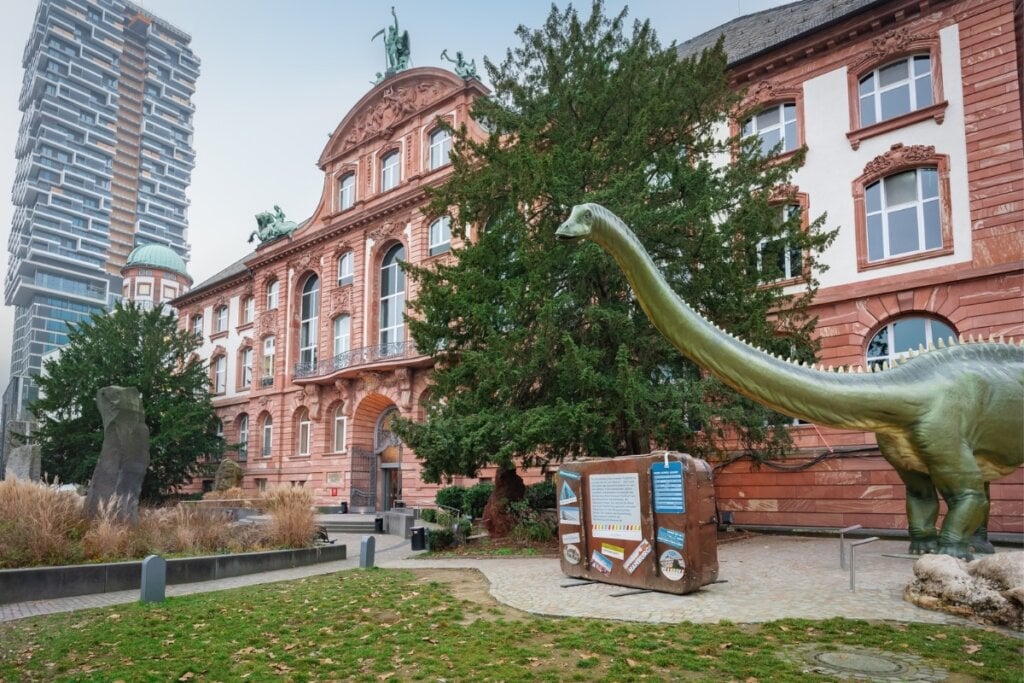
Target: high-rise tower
<point>104,159</point>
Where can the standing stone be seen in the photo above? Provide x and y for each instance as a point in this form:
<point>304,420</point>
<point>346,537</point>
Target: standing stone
<point>117,479</point>
<point>23,462</point>
<point>366,548</point>
<point>154,579</point>
<point>229,475</point>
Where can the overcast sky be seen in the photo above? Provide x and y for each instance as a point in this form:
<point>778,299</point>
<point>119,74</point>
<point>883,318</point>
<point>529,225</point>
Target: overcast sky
<point>278,77</point>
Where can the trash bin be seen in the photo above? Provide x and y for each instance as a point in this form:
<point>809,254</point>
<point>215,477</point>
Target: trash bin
<point>419,538</point>
<point>378,525</point>
<point>343,509</point>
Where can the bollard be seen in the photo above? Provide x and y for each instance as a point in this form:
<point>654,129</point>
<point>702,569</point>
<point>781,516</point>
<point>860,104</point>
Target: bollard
<point>853,560</point>
<point>366,547</point>
<point>154,579</point>
<point>842,550</point>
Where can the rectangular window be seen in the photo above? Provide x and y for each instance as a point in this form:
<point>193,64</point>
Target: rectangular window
<point>440,236</point>
<point>342,334</point>
<point>248,310</point>
<point>220,375</point>
<point>268,435</point>
<point>221,320</point>
<point>347,191</point>
<point>268,360</point>
<point>169,293</point>
<point>902,212</point>
<point>246,367</point>
<point>261,485</point>
<point>197,325</point>
<point>346,273</point>
<point>389,172</point>
<point>144,289</point>
<point>305,433</point>
<point>777,259</point>
<point>340,426</point>
<point>440,148</point>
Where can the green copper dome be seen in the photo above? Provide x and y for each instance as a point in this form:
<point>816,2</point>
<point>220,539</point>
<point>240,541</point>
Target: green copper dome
<point>157,256</point>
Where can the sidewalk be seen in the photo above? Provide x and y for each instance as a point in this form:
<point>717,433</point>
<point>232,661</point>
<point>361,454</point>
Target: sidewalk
<point>762,578</point>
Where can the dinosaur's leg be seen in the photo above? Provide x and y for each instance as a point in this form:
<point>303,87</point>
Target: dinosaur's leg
<point>979,540</point>
<point>922,511</point>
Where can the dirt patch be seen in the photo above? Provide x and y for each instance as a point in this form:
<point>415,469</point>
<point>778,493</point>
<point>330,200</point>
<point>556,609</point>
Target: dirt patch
<point>471,586</point>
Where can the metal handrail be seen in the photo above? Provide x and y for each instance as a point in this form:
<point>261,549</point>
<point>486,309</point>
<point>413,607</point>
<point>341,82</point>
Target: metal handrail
<point>355,357</point>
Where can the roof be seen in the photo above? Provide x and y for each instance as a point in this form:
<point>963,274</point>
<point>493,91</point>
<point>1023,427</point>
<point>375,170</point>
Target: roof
<point>236,268</point>
<point>753,34</point>
<point>157,256</point>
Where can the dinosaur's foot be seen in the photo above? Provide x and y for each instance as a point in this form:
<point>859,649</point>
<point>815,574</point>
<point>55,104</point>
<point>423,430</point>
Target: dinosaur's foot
<point>982,546</point>
<point>923,546</point>
<point>961,550</point>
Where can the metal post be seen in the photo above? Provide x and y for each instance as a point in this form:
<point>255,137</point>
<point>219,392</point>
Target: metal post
<point>853,560</point>
<point>842,548</point>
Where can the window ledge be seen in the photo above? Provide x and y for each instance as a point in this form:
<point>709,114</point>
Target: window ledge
<point>244,326</point>
<point>904,258</point>
<point>785,282</point>
<point>299,456</point>
<point>935,111</point>
<point>219,335</point>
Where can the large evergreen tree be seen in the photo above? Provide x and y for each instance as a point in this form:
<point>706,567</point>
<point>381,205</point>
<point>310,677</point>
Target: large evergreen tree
<point>542,351</point>
<point>134,347</point>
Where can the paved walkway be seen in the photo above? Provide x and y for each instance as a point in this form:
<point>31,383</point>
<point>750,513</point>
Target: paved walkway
<point>763,578</point>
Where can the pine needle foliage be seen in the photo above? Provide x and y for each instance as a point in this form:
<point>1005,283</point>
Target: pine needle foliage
<point>542,350</point>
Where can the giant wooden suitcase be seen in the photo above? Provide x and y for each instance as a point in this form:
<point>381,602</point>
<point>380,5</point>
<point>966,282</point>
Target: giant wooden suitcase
<point>646,521</point>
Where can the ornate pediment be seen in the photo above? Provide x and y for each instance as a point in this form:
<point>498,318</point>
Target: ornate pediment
<point>893,42</point>
<point>899,156</point>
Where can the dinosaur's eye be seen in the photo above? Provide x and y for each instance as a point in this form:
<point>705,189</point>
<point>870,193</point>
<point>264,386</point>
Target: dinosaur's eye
<point>587,215</point>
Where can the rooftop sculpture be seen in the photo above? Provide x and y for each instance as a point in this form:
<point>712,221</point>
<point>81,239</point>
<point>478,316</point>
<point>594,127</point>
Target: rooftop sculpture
<point>396,48</point>
<point>271,225</point>
<point>949,419</point>
<point>463,69</point>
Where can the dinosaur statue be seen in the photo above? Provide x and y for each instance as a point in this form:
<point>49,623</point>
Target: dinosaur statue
<point>950,419</point>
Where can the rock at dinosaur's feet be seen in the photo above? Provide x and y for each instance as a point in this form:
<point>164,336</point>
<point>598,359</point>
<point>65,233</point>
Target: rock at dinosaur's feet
<point>988,589</point>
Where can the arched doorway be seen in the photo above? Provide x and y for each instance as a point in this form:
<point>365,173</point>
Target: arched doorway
<point>387,446</point>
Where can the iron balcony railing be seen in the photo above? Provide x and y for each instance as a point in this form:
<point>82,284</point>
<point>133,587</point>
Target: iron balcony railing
<point>364,356</point>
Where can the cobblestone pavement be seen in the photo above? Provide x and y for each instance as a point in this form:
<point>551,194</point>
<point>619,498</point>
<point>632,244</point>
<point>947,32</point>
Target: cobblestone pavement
<point>762,578</point>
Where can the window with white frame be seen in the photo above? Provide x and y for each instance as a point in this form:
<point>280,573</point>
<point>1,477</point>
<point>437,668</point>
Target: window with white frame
<point>773,125</point>
<point>220,374</point>
<point>340,426</point>
<point>895,89</point>
<point>440,236</point>
<point>220,319</point>
<point>440,148</point>
<point>389,172</point>
<point>392,298</point>
<point>346,268</point>
<point>197,325</point>
<point>905,334</point>
<point>309,321</point>
<point>902,214</point>
<point>346,191</point>
<point>267,437</point>
<point>248,309</point>
<point>342,334</point>
<point>305,432</point>
<point>268,359</point>
<point>778,258</point>
<point>245,360</point>
<point>272,292</point>
<point>243,437</point>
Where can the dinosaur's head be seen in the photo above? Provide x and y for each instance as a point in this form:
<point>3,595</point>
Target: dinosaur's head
<point>579,224</point>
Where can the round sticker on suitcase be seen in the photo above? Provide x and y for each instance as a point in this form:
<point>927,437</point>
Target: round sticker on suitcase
<point>672,565</point>
<point>571,554</point>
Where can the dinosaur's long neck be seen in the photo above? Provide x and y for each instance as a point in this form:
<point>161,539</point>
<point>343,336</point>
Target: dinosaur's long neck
<point>820,397</point>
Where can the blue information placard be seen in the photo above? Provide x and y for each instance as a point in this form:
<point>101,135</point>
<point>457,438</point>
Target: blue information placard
<point>667,485</point>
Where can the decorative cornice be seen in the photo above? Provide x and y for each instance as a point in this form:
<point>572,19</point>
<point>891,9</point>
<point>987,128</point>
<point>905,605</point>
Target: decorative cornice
<point>766,91</point>
<point>899,156</point>
<point>892,42</point>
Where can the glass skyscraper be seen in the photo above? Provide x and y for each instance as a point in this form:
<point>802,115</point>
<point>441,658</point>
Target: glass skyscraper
<point>104,160</point>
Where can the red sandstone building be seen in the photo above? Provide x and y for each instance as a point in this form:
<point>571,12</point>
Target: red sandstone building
<point>911,115</point>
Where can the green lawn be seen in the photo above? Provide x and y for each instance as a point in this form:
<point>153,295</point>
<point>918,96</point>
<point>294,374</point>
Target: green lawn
<point>377,625</point>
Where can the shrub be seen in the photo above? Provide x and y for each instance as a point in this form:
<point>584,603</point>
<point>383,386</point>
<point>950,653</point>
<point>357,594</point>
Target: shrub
<point>440,539</point>
<point>475,498</point>
<point>292,520</point>
<point>428,515</point>
<point>39,525</point>
<point>541,496</point>
<point>451,496</point>
<point>530,526</point>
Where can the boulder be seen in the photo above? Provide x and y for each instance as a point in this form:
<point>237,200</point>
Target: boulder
<point>24,462</point>
<point>229,476</point>
<point>117,480</point>
<point>990,589</point>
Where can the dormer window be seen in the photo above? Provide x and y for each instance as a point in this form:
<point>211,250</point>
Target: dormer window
<point>440,148</point>
<point>346,191</point>
<point>389,172</point>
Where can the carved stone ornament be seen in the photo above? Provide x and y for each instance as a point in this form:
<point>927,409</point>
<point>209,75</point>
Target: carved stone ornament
<point>302,263</point>
<point>267,403</point>
<point>392,105</point>
<point>891,42</point>
<point>341,301</point>
<point>346,390</point>
<point>371,381</point>
<point>899,156</point>
<point>311,393</point>
<point>267,322</point>
<point>760,93</point>
<point>386,230</point>
<point>783,192</point>
<point>403,379</point>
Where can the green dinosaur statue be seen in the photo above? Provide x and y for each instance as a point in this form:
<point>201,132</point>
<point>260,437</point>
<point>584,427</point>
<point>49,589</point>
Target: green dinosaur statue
<point>950,419</point>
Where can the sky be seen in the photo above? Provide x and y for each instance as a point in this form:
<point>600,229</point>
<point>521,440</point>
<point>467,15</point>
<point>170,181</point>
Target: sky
<point>277,77</point>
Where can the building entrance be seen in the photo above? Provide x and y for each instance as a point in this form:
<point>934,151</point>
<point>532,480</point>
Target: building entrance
<point>388,449</point>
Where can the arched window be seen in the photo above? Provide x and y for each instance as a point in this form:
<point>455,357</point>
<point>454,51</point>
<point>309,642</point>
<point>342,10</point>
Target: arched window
<point>905,334</point>
<point>197,325</point>
<point>440,236</point>
<point>895,89</point>
<point>346,270</point>
<point>773,125</point>
<point>346,191</point>
<point>340,426</point>
<point>272,291</point>
<point>342,335</point>
<point>267,436</point>
<point>220,319</point>
<point>392,299</point>
<point>305,432</point>
<point>389,172</point>
<point>309,318</point>
<point>902,212</point>
<point>440,148</point>
<point>243,437</point>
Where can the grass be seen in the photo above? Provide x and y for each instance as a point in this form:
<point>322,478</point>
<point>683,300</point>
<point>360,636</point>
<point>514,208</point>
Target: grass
<point>376,625</point>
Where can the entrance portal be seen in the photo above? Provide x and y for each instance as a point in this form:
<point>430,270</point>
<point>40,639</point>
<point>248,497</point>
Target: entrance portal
<point>388,449</point>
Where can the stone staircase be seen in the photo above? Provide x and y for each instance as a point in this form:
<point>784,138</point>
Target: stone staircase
<point>347,524</point>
